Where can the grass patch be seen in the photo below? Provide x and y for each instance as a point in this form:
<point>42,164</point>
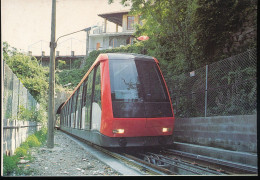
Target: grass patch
<point>11,162</point>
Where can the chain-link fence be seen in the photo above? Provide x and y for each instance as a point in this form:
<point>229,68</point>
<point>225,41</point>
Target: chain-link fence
<point>227,87</point>
<point>15,95</point>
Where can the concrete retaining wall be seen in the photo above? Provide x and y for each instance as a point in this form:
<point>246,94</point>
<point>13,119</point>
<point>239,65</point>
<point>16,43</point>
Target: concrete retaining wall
<point>16,132</point>
<point>237,133</point>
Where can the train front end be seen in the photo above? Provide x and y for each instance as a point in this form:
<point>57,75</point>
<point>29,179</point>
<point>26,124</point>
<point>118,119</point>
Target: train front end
<point>136,106</point>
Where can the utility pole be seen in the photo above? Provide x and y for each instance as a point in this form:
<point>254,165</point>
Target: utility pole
<point>87,43</point>
<point>51,103</point>
<point>83,62</point>
<point>87,30</point>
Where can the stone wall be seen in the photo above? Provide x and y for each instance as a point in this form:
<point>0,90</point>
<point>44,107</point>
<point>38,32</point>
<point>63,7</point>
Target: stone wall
<point>238,133</point>
<point>15,132</point>
<point>60,97</point>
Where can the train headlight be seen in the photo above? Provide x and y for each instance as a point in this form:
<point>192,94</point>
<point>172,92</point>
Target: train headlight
<point>166,129</point>
<point>118,131</point>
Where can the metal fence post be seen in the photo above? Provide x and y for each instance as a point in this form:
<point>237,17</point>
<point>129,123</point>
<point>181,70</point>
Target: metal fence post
<point>206,91</point>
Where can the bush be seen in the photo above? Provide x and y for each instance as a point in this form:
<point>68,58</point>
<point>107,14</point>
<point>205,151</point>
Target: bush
<point>21,151</point>
<point>10,164</point>
<point>33,141</point>
<point>33,76</point>
<point>62,64</point>
<point>41,135</point>
<point>24,114</point>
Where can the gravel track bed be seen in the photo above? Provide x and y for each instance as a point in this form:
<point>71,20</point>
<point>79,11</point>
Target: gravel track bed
<point>67,158</point>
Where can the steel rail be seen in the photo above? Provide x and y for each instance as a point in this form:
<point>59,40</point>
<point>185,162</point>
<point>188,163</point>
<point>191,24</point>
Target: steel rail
<point>175,164</point>
<point>238,166</point>
<point>160,169</point>
<point>170,160</point>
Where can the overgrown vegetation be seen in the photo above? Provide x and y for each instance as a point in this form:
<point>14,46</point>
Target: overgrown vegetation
<point>36,115</point>
<point>33,76</point>
<point>186,35</point>
<point>10,165</point>
<point>66,64</point>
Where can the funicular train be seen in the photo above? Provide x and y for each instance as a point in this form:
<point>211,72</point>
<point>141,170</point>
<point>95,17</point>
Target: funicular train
<point>122,101</point>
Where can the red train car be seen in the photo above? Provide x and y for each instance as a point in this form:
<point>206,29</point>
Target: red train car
<point>121,101</point>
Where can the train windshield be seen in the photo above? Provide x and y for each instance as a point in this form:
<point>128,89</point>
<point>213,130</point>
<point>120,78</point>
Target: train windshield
<point>134,83</point>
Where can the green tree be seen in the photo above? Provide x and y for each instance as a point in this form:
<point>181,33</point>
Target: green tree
<point>215,22</point>
<point>33,76</point>
<point>185,35</point>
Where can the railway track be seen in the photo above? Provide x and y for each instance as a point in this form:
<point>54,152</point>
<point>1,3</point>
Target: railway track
<point>166,161</point>
<point>143,166</point>
<point>183,163</point>
<point>172,165</point>
<point>226,167</point>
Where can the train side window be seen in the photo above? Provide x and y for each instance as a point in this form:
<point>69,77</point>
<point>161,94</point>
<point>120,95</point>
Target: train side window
<point>83,103</point>
<point>68,114</point>
<point>72,106</point>
<point>79,107</point>
<point>73,109</point>
<point>84,92</point>
<point>60,117</point>
<point>97,90</point>
<point>70,109</point>
<point>76,108</point>
<point>96,104</point>
<point>63,116</point>
<point>88,101</point>
<point>66,117</point>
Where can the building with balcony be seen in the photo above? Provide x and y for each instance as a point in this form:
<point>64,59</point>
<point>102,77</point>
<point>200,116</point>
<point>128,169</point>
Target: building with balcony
<point>100,39</point>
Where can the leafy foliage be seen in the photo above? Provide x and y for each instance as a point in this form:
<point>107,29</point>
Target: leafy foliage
<point>185,35</point>
<point>62,64</point>
<point>69,76</point>
<point>10,163</point>
<point>36,115</point>
<point>216,21</point>
<point>27,69</point>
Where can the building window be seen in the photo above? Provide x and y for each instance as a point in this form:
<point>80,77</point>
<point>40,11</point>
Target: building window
<point>113,42</point>
<point>98,46</point>
<point>130,22</point>
<point>129,40</point>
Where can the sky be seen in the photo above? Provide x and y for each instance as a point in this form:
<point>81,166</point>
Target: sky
<point>26,24</point>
